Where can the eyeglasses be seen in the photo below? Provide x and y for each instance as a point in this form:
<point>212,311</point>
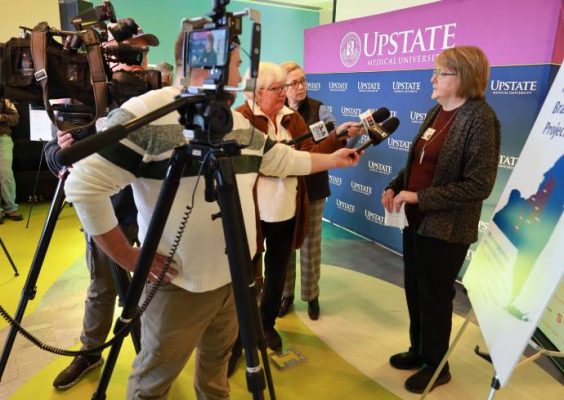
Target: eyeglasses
<point>438,72</point>
<point>295,84</point>
<point>276,89</point>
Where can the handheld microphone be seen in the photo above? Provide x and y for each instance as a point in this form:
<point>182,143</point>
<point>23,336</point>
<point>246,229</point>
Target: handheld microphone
<point>370,117</point>
<point>318,131</point>
<point>378,133</point>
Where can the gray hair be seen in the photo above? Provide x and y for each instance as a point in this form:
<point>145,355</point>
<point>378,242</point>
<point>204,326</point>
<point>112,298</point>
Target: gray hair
<point>269,73</point>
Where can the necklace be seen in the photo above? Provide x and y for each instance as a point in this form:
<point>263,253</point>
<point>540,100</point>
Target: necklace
<point>422,155</point>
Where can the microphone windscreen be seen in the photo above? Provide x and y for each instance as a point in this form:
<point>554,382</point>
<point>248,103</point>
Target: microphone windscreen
<point>381,114</point>
<point>390,125</point>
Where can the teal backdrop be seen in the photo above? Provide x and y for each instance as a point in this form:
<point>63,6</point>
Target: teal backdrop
<point>282,27</point>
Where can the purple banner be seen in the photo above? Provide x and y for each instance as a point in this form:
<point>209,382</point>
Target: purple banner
<point>510,33</point>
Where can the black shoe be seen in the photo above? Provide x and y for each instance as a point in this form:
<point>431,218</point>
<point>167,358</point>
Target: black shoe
<point>313,309</point>
<point>407,360</point>
<point>13,215</point>
<point>286,305</point>
<point>76,370</point>
<point>417,382</point>
<point>236,353</point>
<point>273,339</point>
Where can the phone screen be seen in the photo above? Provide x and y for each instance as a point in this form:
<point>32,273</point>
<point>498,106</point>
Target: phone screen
<point>207,48</point>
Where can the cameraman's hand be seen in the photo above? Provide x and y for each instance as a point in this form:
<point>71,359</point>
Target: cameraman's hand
<point>157,267</point>
<point>353,128</point>
<point>115,244</point>
<point>64,139</point>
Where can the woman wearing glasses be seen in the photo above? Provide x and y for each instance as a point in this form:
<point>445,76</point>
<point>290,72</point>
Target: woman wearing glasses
<point>450,170</point>
<point>281,202</point>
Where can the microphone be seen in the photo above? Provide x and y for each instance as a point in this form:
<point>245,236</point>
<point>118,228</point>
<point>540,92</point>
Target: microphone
<point>378,133</point>
<point>369,118</point>
<point>318,131</point>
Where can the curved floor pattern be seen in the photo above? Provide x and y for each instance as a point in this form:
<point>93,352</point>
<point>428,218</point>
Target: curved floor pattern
<point>363,321</point>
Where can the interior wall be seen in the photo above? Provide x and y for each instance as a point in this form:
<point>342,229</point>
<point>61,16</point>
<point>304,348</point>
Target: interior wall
<point>349,9</point>
<point>26,13</point>
<point>282,33</point>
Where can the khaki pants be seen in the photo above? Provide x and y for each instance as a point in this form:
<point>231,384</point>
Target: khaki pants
<point>176,322</point>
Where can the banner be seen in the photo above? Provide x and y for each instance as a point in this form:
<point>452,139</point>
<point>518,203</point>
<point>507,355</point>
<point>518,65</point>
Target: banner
<point>518,264</point>
<point>515,92</point>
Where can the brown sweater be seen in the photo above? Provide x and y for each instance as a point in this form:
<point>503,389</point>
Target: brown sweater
<point>9,117</point>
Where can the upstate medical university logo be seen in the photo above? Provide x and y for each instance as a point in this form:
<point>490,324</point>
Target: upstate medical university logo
<point>396,144</point>
<point>406,87</point>
<point>341,205</point>
<point>373,217</point>
<point>360,188</point>
<point>314,86</point>
<point>350,49</point>
<point>379,168</point>
<point>499,87</point>
<point>335,180</point>
<point>507,162</point>
<point>338,86</point>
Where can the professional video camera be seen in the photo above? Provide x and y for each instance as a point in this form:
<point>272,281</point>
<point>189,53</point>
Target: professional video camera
<point>207,44</point>
<point>45,64</point>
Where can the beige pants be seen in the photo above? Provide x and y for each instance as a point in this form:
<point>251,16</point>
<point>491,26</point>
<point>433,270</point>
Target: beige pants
<point>176,322</point>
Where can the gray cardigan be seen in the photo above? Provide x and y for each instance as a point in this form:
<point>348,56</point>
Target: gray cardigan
<point>464,175</point>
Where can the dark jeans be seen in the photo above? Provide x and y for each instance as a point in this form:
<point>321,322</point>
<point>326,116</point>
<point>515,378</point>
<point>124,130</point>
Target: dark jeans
<point>430,267</point>
<point>278,237</point>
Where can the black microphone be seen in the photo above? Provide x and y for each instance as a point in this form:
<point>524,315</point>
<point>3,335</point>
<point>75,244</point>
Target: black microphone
<point>318,131</point>
<point>370,118</point>
<point>379,133</point>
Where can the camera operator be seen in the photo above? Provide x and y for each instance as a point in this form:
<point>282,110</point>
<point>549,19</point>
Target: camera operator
<point>9,118</point>
<point>197,309</point>
<point>101,294</point>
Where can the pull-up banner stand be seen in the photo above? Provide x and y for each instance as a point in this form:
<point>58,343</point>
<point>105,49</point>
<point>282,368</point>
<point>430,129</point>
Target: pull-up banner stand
<point>519,262</point>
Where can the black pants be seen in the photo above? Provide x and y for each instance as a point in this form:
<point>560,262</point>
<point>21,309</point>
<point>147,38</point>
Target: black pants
<point>430,267</point>
<point>278,236</point>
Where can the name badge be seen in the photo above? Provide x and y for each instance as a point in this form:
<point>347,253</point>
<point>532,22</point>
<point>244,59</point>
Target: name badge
<point>428,134</point>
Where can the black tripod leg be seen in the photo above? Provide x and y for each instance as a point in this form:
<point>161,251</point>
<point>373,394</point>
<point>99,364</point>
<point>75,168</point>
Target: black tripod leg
<point>30,289</point>
<point>239,265</point>
<point>122,279</point>
<point>16,273</point>
<point>148,251</point>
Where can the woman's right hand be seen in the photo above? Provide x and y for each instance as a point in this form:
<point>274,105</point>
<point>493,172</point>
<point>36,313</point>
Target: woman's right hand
<point>64,139</point>
<point>388,200</point>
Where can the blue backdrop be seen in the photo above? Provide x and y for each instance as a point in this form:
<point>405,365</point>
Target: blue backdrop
<point>515,93</point>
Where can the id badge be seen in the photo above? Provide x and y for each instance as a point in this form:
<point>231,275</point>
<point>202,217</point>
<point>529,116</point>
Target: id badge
<point>428,134</point>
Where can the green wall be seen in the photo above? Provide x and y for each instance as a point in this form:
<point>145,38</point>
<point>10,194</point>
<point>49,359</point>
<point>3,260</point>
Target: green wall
<point>282,27</point>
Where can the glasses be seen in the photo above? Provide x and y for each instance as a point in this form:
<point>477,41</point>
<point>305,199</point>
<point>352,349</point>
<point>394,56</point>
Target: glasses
<point>438,72</point>
<point>277,89</point>
<point>295,84</point>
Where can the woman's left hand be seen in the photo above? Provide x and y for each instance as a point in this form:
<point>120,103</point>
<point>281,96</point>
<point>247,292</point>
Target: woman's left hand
<point>405,196</point>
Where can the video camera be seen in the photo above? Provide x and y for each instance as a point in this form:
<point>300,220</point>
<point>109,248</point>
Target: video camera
<point>38,67</point>
<point>207,44</point>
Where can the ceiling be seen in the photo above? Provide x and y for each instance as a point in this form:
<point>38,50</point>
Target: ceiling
<point>308,4</point>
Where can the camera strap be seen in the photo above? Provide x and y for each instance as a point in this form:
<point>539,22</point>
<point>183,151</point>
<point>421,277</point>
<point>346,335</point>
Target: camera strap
<point>39,42</point>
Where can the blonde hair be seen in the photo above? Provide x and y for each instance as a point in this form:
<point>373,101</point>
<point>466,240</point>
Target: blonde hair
<point>291,66</point>
<point>472,67</point>
<point>268,74</point>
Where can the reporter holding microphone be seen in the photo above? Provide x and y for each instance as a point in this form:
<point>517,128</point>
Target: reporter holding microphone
<point>450,170</point>
<point>317,186</point>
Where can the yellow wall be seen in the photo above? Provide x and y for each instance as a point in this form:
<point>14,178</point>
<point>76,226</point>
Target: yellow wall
<point>26,13</point>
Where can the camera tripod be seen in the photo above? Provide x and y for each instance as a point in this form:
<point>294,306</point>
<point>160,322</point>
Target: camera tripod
<point>16,273</point>
<point>120,276</point>
<point>219,169</point>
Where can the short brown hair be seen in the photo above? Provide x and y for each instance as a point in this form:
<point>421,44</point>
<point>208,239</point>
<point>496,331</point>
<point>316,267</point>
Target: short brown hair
<point>472,67</point>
